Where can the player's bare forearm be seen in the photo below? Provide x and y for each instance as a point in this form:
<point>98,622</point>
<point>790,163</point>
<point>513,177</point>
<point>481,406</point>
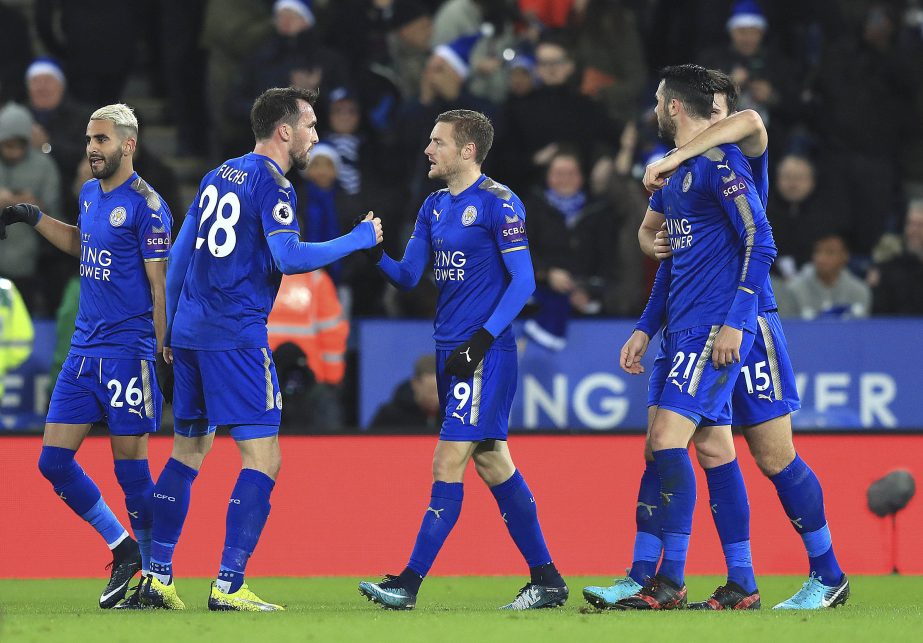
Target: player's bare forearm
<point>647,233</point>
<point>157,276</point>
<point>62,236</point>
<point>745,129</point>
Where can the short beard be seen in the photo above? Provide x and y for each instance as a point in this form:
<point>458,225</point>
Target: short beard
<point>299,162</point>
<point>666,128</point>
<point>111,165</point>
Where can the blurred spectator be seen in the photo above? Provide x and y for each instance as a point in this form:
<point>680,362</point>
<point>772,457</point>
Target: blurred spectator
<point>16,332</point>
<point>493,20</point>
<point>293,56</point>
<point>233,30</point>
<point>552,115</point>
<point>26,176</point>
<point>307,315</point>
<point>898,283</point>
<point>442,87</point>
<point>181,24</point>
<point>521,77</point>
<point>317,200</point>
<point>610,54</point>
<point>414,407</point>
<point>358,29</point>
<point>825,288</point>
<point>15,53</point>
<point>864,90</point>
<point>65,323</point>
<point>60,122</point>
<point>344,136</point>
<point>411,29</point>
<point>769,82</point>
<point>571,237</point>
<point>71,32</point>
<point>800,213</point>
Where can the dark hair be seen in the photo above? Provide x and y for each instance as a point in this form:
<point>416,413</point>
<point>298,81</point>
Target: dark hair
<point>724,84</point>
<point>692,86</point>
<point>278,105</point>
<point>470,127</point>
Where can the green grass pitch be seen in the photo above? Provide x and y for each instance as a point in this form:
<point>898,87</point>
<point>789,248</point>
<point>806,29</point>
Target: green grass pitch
<point>881,608</point>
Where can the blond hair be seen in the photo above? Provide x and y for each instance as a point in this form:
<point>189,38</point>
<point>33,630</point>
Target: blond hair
<point>122,116</point>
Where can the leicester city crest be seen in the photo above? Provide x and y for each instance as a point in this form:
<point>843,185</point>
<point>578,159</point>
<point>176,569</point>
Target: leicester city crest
<point>283,213</point>
<point>469,215</point>
<point>687,181</point>
<point>117,216</point>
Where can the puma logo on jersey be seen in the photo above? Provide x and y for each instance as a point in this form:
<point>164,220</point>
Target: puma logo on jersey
<point>86,206</point>
<point>667,497</point>
<point>436,213</point>
<point>158,217</point>
<point>465,353</point>
<point>436,511</point>
<point>679,385</point>
<point>650,508</point>
<point>726,166</point>
<point>510,206</point>
<point>761,396</point>
<point>136,412</point>
<point>460,417</point>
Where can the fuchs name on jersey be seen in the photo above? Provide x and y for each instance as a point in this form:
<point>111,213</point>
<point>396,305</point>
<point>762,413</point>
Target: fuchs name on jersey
<point>231,174</point>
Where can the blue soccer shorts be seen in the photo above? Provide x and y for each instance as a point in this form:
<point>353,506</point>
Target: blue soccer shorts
<point>234,387</point>
<point>123,392</point>
<point>478,408</point>
<point>766,387</point>
<point>687,382</point>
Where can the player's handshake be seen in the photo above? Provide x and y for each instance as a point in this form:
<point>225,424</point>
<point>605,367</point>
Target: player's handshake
<point>374,250</point>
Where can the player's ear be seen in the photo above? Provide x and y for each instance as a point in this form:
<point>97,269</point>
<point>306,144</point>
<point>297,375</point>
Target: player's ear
<point>285,132</point>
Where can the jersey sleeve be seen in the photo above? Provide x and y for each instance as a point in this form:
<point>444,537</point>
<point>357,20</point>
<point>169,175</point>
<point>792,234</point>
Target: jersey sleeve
<point>275,198</point>
<point>655,203</point>
<point>154,228</point>
<point>507,224</point>
<point>421,229</point>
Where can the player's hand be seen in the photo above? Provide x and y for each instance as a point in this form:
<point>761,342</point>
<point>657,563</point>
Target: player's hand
<point>662,248</point>
<point>164,368</point>
<point>19,213</point>
<point>464,360</point>
<point>657,173</point>
<point>633,351</point>
<point>726,349</point>
<point>373,252</point>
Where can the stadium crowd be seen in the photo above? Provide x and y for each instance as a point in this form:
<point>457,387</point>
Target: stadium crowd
<point>569,85</point>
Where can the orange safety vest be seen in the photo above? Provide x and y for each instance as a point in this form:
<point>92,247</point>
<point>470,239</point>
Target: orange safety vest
<point>307,313</point>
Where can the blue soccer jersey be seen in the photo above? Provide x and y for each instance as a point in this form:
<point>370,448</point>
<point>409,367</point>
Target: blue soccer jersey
<point>120,230</point>
<point>467,235</point>
<point>759,170</point>
<point>232,280</point>
<point>716,221</point>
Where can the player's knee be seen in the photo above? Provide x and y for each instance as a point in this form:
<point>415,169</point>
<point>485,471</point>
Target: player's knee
<point>714,454</point>
<point>57,465</point>
<point>771,462</point>
<point>490,473</point>
<point>446,470</point>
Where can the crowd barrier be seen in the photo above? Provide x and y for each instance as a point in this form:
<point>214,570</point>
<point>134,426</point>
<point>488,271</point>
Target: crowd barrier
<point>352,506</point>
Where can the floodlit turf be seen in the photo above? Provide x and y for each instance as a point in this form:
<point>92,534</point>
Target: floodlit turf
<point>881,608</point>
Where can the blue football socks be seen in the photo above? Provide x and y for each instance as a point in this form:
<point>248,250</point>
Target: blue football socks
<point>441,515</point>
<point>519,512</point>
<point>677,494</point>
<point>171,504</point>
<point>134,476</point>
<point>648,544</point>
<point>248,510</point>
<point>80,493</point>
<point>731,512</point>
<point>803,501</point>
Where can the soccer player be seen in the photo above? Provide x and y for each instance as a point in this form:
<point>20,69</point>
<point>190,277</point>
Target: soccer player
<point>473,234</point>
<point>240,235</point>
<point>722,248</point>
<point>122,238</point>
<point>763,401</point>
